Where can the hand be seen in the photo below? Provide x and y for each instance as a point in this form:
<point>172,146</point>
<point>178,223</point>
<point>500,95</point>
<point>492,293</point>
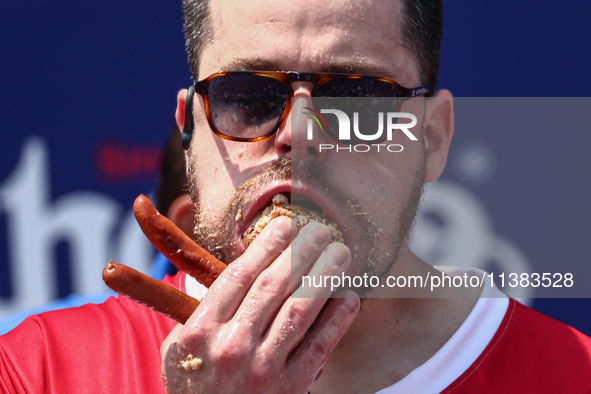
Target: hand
<point>248,334</point>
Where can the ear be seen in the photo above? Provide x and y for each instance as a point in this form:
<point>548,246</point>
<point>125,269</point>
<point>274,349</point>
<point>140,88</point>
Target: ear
<point>182,213</point>
<point>439,128</point>
<point>180,108</point>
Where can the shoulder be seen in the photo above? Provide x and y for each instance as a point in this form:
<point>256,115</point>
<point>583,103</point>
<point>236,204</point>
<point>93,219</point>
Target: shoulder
<point>526,316</point>
<point>545,336</point>
<point>65,347</point>
<point>530,352</point>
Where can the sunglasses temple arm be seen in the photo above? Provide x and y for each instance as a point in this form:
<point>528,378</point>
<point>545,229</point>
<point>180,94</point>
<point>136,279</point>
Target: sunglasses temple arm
<point>187,133</point>
<point>418,91</point>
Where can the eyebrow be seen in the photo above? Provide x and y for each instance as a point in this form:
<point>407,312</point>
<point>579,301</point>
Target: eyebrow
<point>353,67</point>
<point>349,67</point>
<point>254,64</point>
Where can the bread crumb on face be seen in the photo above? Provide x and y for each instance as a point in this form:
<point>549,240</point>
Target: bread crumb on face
<point>238,215</point>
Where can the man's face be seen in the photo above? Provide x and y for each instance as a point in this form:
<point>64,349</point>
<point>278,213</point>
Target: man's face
<point>372,197</point>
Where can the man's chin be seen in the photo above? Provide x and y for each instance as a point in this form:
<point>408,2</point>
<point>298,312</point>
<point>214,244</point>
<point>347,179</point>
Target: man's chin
<point>218,244</point>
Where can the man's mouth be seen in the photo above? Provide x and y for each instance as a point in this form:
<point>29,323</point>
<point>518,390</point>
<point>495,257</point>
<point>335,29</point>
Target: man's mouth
<point>302,212</point>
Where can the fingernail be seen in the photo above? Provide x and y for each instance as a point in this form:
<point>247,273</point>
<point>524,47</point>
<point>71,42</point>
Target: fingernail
<point>349,305</point>
<point>318,233</point>
<point>319,373</point>
<point>280,227</point>
<point>341,255</point>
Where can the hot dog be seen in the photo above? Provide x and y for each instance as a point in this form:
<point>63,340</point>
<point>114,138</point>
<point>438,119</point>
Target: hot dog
<point>281,205</point>
<point>141,288</point>
<point>173,243</point>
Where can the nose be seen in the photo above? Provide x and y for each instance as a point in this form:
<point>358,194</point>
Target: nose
<point>299,136</point>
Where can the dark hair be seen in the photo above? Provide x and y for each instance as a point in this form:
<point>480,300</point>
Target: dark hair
<point>198,31</point>
<point>173,179</point>
<point>422,28</point>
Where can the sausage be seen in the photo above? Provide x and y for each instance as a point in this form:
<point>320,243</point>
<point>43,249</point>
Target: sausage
<point>147,291</point>
<point>173,243</point>
<point>180,250</point>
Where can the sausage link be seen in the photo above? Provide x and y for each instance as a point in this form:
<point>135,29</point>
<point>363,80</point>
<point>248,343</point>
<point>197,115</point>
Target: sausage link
<point>173,243</point>
<point>147,291</point>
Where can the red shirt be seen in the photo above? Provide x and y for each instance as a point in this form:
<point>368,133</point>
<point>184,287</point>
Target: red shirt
<point>115,347</point>
<point>530,353</point>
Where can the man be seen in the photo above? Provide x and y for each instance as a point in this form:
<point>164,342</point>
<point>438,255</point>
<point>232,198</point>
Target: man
<point>247,331</point>
<point>248,334</point>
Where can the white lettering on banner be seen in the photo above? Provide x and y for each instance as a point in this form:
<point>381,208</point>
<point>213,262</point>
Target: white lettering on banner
<point>90,223</point>
<point>453,228</point>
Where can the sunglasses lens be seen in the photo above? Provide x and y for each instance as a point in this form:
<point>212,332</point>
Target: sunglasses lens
<point>364,100</point>
<point>356,87</point>
<point>246,106</point>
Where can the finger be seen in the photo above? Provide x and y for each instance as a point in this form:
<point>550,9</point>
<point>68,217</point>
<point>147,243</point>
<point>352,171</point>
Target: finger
<point>318,282</point>
<point>168,349</point>
<point>169,355</point>
<point>226,294</point>
<point>309,357</point>
<point>297,314</point>
<point>273,286</point>
<point>306,248</point>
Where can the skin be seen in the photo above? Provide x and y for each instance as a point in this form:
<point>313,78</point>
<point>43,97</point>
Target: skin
<point>249,333</point>
<point>182,213</point>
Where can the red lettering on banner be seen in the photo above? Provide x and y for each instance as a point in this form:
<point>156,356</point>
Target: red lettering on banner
<point>118,161</point>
